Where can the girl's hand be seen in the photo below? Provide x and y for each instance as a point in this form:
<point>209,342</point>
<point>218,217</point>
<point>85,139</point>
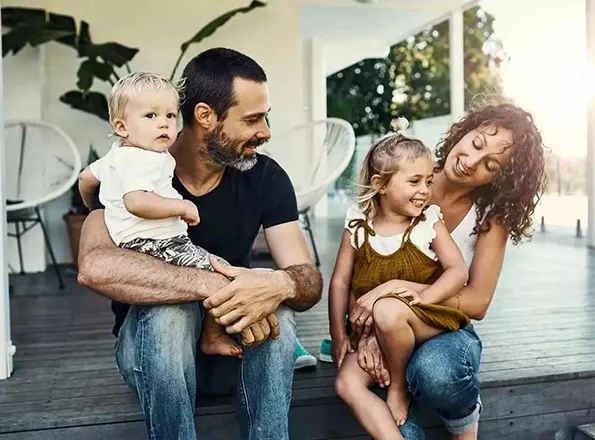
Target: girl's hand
<point>413,296</point>
<point>361,313</point>
<point>340,348</point>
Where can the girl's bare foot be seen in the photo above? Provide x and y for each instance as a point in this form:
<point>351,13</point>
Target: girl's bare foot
<point>220,344</point>
<point>398,402</point>
<point>467,435</point>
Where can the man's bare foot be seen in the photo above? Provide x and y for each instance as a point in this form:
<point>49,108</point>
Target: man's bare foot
<point>221,344</point>
<point>467,435</point>
<point>398,400</point>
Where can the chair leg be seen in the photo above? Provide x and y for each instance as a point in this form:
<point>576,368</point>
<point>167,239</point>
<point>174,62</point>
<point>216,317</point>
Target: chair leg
<point>50,249</point>
<point>308,227</point>
<point>19,245</point>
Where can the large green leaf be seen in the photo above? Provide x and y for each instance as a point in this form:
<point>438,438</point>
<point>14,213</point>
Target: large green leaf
<point>35,27</point>
<point>63,23</point>
<point>13,17</point>
<point>89,102</point>
<point>210,29</point>
<point>17,38</point>
<point>113,53</point>
<point>84,40</point>
<point>90,69</point>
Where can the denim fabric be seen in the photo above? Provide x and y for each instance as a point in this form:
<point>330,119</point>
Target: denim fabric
<point>156,356</point>
<point>443,374</point>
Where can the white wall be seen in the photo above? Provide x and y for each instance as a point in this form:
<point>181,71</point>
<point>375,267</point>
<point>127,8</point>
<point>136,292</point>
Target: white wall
<point>270,35</point>
<point>23,83</point>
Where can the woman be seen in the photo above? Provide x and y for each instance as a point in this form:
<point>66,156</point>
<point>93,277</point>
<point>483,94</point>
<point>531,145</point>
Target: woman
<point>489,178</point>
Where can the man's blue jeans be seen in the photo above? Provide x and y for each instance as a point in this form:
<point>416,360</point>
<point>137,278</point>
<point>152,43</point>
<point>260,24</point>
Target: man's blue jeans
<point>443,374</point>
<point>156,355</point>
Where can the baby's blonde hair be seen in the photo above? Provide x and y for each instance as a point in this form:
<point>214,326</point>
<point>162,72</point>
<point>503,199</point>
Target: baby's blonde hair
<point>384,159</point>
<point>131,85</point>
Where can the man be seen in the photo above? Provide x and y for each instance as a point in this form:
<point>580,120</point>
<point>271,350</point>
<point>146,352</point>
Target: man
<point>224,108</point>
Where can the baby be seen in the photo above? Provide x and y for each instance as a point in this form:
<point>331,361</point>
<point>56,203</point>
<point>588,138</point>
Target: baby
<point>143,212</point>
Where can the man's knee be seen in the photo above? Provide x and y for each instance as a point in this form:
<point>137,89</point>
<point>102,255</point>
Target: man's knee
<point>287,327</point>
<point>169,333</point>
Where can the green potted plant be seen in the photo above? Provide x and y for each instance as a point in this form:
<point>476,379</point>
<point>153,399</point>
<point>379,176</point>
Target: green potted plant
<point>104,61</point>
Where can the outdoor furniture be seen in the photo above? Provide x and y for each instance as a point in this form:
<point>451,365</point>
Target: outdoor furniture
<point>314,155</point>
<point>41,164</point>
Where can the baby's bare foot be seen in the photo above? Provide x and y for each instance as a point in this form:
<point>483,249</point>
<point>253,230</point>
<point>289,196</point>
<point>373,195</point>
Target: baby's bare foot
<point>221,344</point>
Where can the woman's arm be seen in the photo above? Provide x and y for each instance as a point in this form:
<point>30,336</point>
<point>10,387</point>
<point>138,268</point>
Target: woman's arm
<point>455,272</point>
<point>474,299</point>
<point>135,278</point>
<point>340,287</point>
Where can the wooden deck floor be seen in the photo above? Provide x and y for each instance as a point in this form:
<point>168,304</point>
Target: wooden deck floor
<point>538,369</point>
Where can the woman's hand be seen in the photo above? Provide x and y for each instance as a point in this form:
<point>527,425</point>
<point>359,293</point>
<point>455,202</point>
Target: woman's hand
<point>340,347</point>
<point>361,313</point>
<point>371,360</point>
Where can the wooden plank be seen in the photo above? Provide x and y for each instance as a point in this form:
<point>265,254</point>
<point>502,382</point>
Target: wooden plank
<point>66,373</point>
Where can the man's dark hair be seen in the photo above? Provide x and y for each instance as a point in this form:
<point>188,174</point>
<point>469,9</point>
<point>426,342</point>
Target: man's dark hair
<point>209,78</point>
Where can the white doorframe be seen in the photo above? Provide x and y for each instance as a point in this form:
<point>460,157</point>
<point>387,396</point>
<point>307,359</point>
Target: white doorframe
<point>6,347</point>
<point>590,35</point>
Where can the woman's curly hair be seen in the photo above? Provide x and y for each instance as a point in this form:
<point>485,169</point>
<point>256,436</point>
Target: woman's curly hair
<point>512,196</point>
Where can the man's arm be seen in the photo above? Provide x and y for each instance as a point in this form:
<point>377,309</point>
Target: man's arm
<point>135,278</point>
<point>290,252</point>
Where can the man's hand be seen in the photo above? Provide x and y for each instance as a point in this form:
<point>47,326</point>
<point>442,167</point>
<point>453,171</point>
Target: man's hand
<point>251,296</point>
<point>371,360</point>
<point>259,332</point>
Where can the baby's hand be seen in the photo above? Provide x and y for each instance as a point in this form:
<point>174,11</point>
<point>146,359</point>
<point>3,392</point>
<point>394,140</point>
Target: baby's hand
<point>190,214</point>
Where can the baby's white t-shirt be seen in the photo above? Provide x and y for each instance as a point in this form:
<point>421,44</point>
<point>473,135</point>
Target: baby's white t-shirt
<point>126,169</point>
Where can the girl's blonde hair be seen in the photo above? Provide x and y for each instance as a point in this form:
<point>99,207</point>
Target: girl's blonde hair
<point>133,84</point>
<point>384,159</point>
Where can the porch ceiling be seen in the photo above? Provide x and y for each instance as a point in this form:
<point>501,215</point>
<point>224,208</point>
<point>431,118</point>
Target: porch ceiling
<point>355,30</point>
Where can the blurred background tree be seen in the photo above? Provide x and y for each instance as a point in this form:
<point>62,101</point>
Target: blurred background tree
<point>413,80</point>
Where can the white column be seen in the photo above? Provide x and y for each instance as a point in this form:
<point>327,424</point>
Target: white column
<point>316,74</point>
<point>6,347</point>
<point>590,27</point>
<point>457,65</point>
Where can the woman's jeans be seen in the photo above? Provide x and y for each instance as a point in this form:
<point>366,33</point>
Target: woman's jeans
<point>443,374</point>
<point>156,353</point>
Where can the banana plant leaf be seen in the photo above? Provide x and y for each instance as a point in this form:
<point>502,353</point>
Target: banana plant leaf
<point>90,69</point>
<point>90,102</point>
<point>113,53</point>
<point>210,29</point>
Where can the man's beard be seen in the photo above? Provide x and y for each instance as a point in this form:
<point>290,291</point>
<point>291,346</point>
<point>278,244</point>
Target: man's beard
<point>222,150</point>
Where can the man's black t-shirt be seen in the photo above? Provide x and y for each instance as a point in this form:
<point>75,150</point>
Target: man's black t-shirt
<point>231,214</point>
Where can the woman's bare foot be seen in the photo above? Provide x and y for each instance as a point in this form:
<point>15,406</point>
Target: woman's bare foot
<point>220,344</point>
<point>467,435</point>
<point>398,401</point>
